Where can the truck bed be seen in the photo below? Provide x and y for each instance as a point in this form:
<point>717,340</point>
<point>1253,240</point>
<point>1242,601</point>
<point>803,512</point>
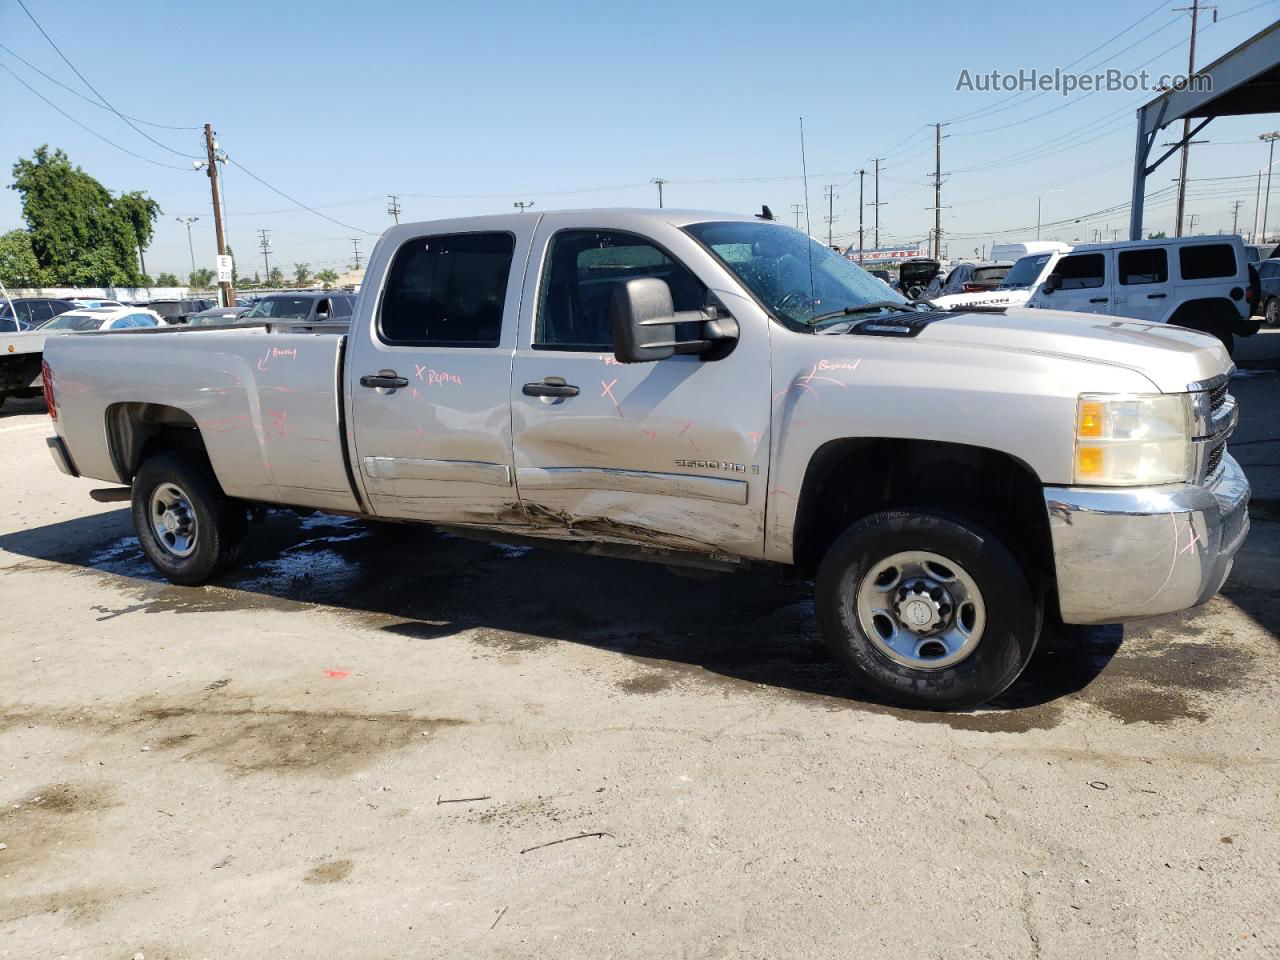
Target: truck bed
<point>267,401</point>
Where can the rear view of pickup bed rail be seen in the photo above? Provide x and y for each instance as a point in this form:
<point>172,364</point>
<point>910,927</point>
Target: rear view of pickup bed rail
<point>703,389</point>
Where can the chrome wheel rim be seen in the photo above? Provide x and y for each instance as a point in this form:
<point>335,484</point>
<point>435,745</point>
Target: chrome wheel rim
<point>173,521</point>
<point>921,610</point>
<point>1273,313</point>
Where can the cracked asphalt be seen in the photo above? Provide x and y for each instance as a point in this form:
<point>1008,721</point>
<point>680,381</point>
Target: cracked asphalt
<point>376,742</point>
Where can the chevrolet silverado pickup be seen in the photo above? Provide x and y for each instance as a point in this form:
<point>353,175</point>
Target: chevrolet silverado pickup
<point>707,390</point>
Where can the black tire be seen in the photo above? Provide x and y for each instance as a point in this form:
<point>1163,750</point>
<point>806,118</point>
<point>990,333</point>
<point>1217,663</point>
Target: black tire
<point>219,523</point>
<point>1004,645</point>
<point>1271,312</point>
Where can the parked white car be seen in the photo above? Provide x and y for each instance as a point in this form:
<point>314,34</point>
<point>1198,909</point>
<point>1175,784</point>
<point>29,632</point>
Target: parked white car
<point>104,318</point>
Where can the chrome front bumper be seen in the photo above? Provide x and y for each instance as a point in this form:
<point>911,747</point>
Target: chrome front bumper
<point>1121,554</point>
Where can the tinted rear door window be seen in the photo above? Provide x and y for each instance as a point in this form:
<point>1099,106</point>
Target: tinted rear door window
<point>1207,261</point>
<point>1143,266</point>
<point>447,290</point>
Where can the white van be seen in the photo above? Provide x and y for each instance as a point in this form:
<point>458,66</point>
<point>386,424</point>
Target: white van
<point>1016,251</point>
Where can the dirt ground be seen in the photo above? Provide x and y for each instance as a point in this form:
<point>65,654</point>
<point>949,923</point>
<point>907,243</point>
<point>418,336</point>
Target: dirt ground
<point>367,742</point>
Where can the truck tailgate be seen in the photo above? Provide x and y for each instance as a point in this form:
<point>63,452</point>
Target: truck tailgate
<point>267,405</point>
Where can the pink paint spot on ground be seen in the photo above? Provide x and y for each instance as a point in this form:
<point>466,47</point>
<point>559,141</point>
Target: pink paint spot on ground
<point>337,674</point>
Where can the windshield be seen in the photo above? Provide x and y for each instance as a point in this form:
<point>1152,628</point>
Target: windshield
<point>287,308</point>
<point>1025,272</point>
<point>75,321</point>
<point>989,274</point>
<point>797,278</point>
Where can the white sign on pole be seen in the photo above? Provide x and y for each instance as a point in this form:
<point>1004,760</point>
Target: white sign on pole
<point>224,269</point>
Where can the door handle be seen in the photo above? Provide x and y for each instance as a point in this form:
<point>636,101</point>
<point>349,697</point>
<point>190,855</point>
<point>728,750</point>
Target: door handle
<point>1156,296</point>
<point>1098,300</point>
<point>550,387</point>
<point>387,379</point>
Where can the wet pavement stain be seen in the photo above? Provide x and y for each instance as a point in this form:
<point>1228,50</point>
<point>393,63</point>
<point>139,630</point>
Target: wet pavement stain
<point>748,633</point>
<point>249,739</point>
<point>331,871</point>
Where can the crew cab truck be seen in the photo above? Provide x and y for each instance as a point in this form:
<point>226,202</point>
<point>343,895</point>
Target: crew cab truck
<point>702,389</point>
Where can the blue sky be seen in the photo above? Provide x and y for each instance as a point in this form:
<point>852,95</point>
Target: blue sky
<point>465,108</point>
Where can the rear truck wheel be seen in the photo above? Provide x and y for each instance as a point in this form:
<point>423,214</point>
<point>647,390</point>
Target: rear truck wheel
<point>1271,312</point>
<point>188,528</point>
<point>926,610</point>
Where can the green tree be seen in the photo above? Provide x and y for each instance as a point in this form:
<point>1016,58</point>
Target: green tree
<point>301,273</point>
<point>327,277</point>
<point>202,279</point>
<point>235,274</point>
<point>18,264</point>
<point>141,212</point>
<point>275,278</point>
<point>79,232</point>
<point>1158,236</point>
<point>168,280</point>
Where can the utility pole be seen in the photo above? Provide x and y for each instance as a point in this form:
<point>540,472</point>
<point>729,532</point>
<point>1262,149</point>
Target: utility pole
<point>830,193</point>
<point>355,245</point>
<point>1235,214</point>
<point>1270,138</point>
<point>1257,207</point>
<point>876,242</point>
<point>393,206</point>
<point>265,244</point>
<point>1191,225</point>
<point>798,208</point>
<point>228,292</point>
<point>1186,122</point>
<point>937,190</point>
<point>861,244</point>
<point>192,250</point>
<point>523,205</point>
<point>659,181</point>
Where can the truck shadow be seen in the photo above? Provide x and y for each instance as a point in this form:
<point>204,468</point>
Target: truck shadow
<point>420,584</point>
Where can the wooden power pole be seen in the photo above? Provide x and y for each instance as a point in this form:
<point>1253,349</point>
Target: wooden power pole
<point>228,291</point>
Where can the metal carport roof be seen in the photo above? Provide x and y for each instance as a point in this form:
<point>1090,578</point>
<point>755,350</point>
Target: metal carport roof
<point>1243,82</point>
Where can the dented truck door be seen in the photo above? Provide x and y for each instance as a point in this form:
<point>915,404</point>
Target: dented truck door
<point>428,369</point>
<point>674,452</point>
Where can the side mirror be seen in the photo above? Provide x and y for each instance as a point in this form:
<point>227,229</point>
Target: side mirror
<point>1051,283</point>
<point>321,317</point>
<point>644,324</point>
<point>643,319</point>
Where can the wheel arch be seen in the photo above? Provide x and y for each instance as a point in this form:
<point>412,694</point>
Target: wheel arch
<point>848,479</point>
<point>136,431</point>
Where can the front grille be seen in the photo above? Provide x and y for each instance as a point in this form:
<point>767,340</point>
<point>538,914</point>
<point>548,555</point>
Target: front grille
<point>1217,396</point>
<point>1214,459</point>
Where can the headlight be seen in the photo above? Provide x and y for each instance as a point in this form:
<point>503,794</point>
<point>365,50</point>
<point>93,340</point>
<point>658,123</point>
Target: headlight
<point>1131,439</point>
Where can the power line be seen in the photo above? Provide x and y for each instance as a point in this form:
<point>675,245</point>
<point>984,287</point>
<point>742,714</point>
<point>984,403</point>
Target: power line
<point>88,100</point>
<point>298,203</point>
<point>95,133</point>
<point>988,110</point>
<point>94,89</point>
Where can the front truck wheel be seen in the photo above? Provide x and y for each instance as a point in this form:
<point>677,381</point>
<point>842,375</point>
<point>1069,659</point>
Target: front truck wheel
<point>926,611</point>
<point>188,528</point>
